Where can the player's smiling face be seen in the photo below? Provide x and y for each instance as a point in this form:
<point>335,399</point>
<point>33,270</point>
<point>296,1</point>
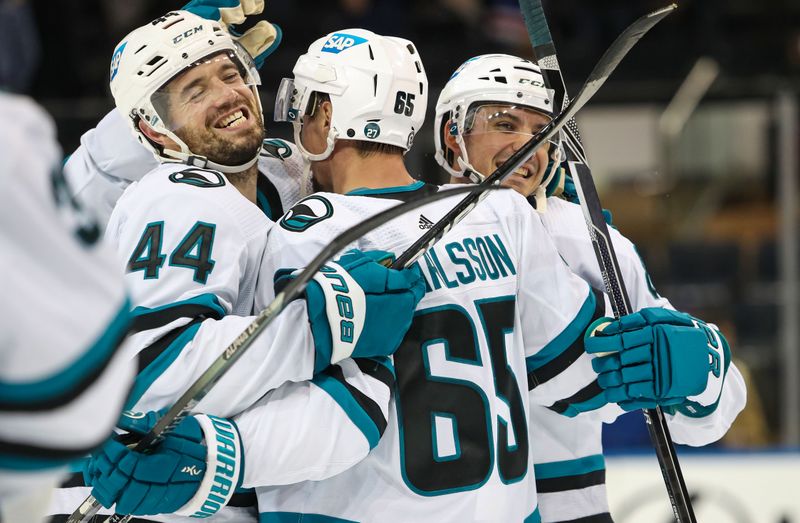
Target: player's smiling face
<point>497,132</point>
<point>214,111</point>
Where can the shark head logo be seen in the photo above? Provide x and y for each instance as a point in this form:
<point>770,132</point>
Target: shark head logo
<point>198,177</point>
<point>306,213</point>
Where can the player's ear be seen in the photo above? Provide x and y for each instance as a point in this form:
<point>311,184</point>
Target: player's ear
<point>152,134</point>
<point>450,140</point>
<point>326,111</point>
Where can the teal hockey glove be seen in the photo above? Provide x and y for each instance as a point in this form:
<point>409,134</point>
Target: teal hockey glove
<point>653,357</point>
<point>260,40</point>
<point>359,307</point>
<point>171,478</point>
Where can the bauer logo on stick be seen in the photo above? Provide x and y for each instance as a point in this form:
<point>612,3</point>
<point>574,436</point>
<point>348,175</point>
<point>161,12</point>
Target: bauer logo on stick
<point>338,42</point>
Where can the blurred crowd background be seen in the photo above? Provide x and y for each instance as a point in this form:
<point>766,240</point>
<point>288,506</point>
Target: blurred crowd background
<point>705,186</point>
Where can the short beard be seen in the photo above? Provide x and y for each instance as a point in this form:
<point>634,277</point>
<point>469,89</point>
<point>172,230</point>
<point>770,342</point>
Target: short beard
<point>205,143</point>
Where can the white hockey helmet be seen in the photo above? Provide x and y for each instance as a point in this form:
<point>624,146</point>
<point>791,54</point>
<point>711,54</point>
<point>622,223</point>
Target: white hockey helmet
<point>376,84</point>
<point>488,79</point>
<point>152,55</point>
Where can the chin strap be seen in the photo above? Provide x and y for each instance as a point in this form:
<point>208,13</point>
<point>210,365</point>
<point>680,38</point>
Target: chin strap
<point>204,163</point>
<point>185,155</point>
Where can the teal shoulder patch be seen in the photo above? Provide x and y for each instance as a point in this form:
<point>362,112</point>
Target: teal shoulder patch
<point>198,177</point>
<point>275,148</point>
<point>306,213</point>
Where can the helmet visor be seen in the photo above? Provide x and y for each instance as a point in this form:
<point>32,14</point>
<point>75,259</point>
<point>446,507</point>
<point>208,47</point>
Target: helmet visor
<point>221,80</point>
<point>500,121</point>
<point>287,103</point>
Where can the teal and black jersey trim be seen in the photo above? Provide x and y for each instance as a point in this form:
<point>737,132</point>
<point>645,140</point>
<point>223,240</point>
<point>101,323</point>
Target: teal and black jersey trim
<point>162,354</point>
<point>159,355</point>
<point>588,398</point>
<point>571,474</point>
<point>365,413</point>
<point>297,517</point>
<point>267,198</point>
<point>204,305</point>
<point>61,388</point>
<point>404,193</point>
<point>567,347</point>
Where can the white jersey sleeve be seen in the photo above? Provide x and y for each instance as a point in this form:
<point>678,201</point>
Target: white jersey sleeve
<point>108,159</point>
<point>316,429</point>
<point>725,396</point>
<point>192,245</point>
<point>62,381</point>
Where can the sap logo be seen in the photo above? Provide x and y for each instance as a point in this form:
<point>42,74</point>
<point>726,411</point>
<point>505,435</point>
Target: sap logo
<point>192,471</point>
<point>528,81</point>
<point>115,60</point>
<point>338,42</point>
<point>187,34</point>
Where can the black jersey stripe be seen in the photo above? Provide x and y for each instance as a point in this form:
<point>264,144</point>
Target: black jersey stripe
<point>148,354</point>
<point>559,364</point>
<point>578,481</point>
<point>585,394</point>
<point>265,186</point>
<point>370,407</point>
<point>159,318</point>
<point>376,370</point>
<point>603,517</point>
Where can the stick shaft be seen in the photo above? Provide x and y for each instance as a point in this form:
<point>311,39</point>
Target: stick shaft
<point>545,52</point>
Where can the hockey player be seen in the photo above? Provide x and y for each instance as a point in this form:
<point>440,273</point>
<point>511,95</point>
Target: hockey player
<point>193,238</point>
<point>456,445</point>
<point>491,105</point>
<point>63,379</point>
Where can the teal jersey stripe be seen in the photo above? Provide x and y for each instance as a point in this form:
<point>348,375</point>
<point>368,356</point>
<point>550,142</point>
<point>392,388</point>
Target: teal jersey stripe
<point>297,517</point>
<point>152,372</point>
<point>59,384</point>
<point>566,338</point>
<point>264,204</point>
<point>207,300</point>
<point>342,396</point>
<point>29,463</point>
<point>570,467</point>
<point>365,191</point>
<point>534,517</point>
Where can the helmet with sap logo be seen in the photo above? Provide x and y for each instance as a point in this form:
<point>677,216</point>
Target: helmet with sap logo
<point>152,55</point>
<point>376,84</point>
<point>496,79</point>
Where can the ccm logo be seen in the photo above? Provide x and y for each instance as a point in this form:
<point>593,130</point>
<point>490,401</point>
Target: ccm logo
<point>187,34</point>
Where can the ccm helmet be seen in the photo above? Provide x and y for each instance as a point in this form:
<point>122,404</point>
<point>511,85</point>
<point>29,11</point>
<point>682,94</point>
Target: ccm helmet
<point>152,55</point>
<point>376,84</point>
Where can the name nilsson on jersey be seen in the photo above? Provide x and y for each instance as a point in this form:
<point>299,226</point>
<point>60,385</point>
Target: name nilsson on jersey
<point>472,259</point>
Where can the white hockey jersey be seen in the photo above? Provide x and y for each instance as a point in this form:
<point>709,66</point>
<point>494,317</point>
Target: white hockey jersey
<point>172,306</point>
<point>456,445</point>
<point>62,379</point>
<point>568,456</point>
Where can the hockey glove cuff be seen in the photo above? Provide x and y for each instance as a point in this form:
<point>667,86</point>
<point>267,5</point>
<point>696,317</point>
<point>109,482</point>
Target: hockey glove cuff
<point>653,357</point>
<point>359,307</point>
<point>194,471</point>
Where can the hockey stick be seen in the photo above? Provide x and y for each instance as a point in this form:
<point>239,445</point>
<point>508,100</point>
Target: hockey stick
<point>198,390</point>
<point>545,53</point>
<point>609,61</point>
